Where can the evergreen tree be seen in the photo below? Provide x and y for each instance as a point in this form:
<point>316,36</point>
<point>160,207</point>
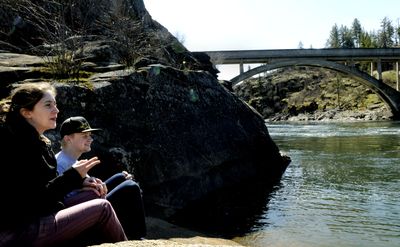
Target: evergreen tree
<point>367,41</point>
<point>375,39</point>
<point>357,31</point>
<point>333,41</point>
<point>346,37</point>
<point>397,33</point>
<point>385,35</point>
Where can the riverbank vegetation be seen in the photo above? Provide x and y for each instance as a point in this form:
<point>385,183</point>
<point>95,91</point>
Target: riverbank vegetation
<point>307,93</point>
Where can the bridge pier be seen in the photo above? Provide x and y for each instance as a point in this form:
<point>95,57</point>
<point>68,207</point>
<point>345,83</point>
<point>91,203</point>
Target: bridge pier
<point>372,69</point>
<point>397,75</point>
<point>241,70</point>
<point>378,68</point>
<point>379,64</point>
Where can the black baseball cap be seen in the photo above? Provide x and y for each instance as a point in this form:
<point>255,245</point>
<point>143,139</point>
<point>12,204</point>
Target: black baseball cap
<point>75,125</point>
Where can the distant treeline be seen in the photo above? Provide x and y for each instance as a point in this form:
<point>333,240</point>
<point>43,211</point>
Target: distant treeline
<point>388,36</point>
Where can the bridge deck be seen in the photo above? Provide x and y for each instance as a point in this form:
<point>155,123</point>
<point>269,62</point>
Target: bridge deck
<point>266,56</point>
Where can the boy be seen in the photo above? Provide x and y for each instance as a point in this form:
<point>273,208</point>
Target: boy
<point>123,193</point>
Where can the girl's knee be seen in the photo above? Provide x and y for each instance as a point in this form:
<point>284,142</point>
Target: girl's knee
<point>102,202</point>
<point>104,207</point>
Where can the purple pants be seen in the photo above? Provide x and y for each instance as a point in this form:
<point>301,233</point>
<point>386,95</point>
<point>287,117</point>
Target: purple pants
<point>87,223</point>
<point>126,199</point>
<point>96,217</point>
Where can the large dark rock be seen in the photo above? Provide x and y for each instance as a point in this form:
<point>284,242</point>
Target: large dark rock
<point>181,133</point>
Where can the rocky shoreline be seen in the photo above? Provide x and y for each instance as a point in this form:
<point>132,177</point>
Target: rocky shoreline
<point>162,233</point>
<point>334,116</point>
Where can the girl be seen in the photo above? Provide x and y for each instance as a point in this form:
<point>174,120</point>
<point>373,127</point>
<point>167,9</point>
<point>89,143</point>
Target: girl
<point>31,209</point>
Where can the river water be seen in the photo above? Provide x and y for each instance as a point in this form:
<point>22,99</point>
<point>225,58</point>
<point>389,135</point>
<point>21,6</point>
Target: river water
<point>342,187</point>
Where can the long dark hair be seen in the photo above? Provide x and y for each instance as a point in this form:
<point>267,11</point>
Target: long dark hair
<point>26,96</point>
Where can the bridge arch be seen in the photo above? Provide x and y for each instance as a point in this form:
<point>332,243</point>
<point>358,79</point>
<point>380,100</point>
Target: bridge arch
<point>388,94</point>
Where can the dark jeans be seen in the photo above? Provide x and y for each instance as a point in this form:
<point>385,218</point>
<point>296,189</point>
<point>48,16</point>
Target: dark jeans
<point>126,198</point>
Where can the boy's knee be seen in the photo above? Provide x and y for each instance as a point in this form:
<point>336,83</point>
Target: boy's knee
<point>133,186</point>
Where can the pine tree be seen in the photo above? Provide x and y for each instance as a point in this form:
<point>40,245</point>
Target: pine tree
<point>345,37</point>
<point>366,41</point>
<point>333,41</point>
<point>397,35</point>
<point>357,32</point>
<point>385,35</point>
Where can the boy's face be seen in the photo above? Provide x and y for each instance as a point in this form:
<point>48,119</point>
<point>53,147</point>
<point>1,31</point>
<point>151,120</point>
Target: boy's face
<point>81,141</point>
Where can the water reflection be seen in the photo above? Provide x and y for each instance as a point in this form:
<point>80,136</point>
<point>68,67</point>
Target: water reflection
<point>228,214</point>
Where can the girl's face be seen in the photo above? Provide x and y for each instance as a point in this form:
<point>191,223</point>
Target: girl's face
<point>44,114</point>
<point>80,142</point>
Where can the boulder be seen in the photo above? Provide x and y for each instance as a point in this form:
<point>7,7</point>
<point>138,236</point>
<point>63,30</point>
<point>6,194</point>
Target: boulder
<point>181,133</point>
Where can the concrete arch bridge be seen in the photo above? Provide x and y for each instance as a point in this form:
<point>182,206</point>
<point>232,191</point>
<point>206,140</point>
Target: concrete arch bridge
<point>340,60</point>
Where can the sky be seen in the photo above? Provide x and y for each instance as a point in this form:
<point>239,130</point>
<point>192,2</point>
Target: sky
<point>206,25</point>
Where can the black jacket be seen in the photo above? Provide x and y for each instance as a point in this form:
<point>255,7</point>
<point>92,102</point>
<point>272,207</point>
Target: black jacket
<point>30,187</point>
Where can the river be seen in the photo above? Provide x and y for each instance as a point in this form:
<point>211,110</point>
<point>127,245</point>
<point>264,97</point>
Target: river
<point>342,187</point>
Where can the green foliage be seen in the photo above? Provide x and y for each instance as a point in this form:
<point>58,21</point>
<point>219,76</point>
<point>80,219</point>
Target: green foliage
<point>389,78</point>
<point>334,40</point>
<point>356,36</point>
<point>64,65</point>
<point>386,34</point>
<point>356,31</point>
<point>346,37</point>
<point>367,41</point>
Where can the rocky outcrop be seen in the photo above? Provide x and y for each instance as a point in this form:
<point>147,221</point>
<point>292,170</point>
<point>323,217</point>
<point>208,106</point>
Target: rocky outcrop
<point>181,133</point>
<point>312,94</point>
<point>100,31</point>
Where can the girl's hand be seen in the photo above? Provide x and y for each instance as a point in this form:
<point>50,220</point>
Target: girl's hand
<point>95,184</point>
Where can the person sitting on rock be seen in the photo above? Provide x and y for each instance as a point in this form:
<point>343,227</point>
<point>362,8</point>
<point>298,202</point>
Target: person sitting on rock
<point>121,190</point>
<point>32,212</point>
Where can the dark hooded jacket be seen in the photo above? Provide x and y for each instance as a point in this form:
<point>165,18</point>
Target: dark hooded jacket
<point>30,185</point>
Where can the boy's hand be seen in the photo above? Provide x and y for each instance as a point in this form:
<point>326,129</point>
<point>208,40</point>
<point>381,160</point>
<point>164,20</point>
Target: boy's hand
<point>127,175</point>
<point>83,166</point>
